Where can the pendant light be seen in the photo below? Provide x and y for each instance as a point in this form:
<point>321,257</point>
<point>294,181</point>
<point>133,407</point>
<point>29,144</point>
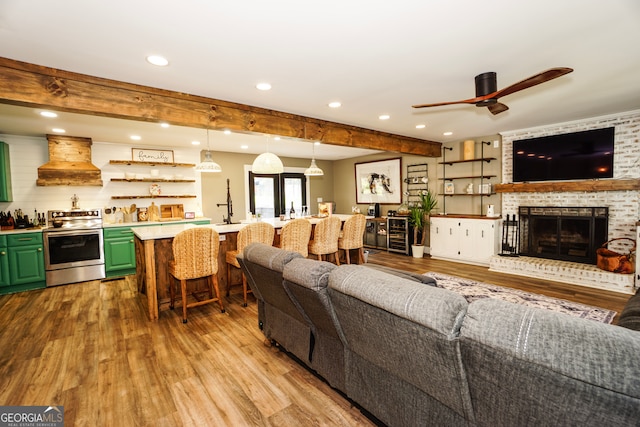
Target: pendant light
<point>208,165</point>
<point>267,163</point>
<point>313,170</point>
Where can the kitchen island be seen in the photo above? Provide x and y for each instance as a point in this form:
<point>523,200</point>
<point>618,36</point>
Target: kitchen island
<point>153,246</point>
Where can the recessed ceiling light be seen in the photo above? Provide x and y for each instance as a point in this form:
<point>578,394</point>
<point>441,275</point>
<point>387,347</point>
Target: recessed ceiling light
<point>195,142</point>
<point>164,125</point>
<point>277,138</point>
<point>317,143</point>
<point>421,126</point>
<point>136,137</point>
<point>335,104</point>
<point>263,86</point>
<point>244,147</point>
<point>384,117</point>
<point>227,132</point>
<point>49,114</point>
<point>58,130</point>
<point>448,133</point>
<point>160,61</point>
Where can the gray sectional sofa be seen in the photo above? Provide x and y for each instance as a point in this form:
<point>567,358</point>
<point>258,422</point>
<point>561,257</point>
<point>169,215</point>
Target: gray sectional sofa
<point>412,354</point>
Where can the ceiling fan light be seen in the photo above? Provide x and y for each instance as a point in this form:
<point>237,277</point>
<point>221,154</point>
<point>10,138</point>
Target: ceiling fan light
<point>267,163</point>
<point>313,169</point>
<point>208,165</point>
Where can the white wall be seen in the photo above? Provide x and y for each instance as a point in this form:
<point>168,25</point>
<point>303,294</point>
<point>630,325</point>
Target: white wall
<point>29,153</point>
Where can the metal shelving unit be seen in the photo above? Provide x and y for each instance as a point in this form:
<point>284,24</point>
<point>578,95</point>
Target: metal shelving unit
<point>417,180</point>
<point>482,177</point>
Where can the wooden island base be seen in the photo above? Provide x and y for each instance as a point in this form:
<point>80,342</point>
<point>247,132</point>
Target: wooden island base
<point>152,272</point>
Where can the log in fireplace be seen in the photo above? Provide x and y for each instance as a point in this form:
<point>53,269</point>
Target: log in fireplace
<point>563,233</point>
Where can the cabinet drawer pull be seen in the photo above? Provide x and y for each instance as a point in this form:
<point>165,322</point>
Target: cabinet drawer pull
<point>3,253</point>
<point>25,239</point>
<point>39,249</point>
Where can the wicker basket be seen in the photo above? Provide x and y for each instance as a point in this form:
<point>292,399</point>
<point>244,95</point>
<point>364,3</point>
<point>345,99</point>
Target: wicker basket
<point>613,261</point>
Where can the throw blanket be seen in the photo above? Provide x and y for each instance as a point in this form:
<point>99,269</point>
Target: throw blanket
<point>472,290</point>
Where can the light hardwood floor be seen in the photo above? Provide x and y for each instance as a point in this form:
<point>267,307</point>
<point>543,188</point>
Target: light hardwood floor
<point>90,348</point>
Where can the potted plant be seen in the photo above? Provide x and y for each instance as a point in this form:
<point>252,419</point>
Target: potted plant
<point>428,202</point>
<point>419,219</point>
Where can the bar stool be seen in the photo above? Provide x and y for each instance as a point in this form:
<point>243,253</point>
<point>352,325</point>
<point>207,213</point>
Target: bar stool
<point>352,236</point>
<point>325,238</point>
<point>257,232</point>
<point>294,236</point>
<point>195,255</point>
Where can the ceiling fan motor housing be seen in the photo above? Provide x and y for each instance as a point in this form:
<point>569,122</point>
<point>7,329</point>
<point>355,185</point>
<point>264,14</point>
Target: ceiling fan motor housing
<point>486,83</point>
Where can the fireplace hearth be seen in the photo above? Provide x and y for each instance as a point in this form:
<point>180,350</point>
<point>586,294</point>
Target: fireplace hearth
<point>563,233</point>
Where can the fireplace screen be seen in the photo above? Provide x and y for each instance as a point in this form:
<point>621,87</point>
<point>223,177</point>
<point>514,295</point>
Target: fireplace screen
<point>563,233</point>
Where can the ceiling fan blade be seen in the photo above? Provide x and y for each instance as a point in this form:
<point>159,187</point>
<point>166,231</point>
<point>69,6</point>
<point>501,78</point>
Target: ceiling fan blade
<point>539,78</point>
<point>497,108</point>
<point>464,101</point>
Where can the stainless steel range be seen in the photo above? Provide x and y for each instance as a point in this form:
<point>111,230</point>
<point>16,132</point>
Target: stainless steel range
<point>73,246</point>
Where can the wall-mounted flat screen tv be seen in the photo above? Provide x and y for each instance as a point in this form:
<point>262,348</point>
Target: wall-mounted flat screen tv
<point>570,156</point>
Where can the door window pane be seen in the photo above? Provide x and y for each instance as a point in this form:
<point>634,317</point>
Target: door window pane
<point>264,196</point>
<point>293,193</point>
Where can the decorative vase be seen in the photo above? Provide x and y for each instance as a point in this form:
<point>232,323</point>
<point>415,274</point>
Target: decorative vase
<point>417,251</point>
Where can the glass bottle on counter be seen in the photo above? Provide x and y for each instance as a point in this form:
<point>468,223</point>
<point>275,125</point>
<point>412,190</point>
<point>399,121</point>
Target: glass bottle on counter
<point>292,212</point>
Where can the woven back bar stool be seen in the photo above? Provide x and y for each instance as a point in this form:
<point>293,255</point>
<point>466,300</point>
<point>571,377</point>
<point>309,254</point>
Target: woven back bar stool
<point>352,236</point>
<point>295,236</point>
<point>325,238</point>
<point>195,255</point>
<point>257,232</point>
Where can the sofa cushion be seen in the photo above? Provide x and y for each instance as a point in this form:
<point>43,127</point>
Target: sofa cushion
<point>269,256</point>
<point>527,364</point>
<point>438,308</point>
<point>402,354</point>
<point>306,281</point>
<point>630,316</point>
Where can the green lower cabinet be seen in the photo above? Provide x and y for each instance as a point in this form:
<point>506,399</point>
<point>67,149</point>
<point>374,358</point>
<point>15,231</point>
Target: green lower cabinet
<point>119,251</point>
<point>23,263</point>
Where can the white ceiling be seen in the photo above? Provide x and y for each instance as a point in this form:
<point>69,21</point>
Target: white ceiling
<point>376,57</point>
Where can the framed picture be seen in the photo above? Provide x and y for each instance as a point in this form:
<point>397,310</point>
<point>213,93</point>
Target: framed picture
<point>155,156</point>
<point>448,188</point>
<point>379,182</point>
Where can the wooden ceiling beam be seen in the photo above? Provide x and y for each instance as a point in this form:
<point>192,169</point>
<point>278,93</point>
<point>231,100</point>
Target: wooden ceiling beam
<point>33,85</point>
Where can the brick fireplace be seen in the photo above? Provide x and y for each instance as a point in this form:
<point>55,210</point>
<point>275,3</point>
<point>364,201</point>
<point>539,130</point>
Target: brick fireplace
<point>622,203</point>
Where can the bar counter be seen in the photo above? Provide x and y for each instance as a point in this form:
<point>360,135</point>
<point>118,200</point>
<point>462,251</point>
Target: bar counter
<point>154,252</point>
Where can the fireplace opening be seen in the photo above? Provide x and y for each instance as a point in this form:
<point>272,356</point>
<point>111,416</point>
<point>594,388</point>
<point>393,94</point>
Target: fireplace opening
<point>563,233</point>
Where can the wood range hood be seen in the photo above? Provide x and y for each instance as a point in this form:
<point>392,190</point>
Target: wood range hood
<point>69,163</point>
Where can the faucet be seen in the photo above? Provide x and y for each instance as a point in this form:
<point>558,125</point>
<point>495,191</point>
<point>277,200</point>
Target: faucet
<point>229,206</point>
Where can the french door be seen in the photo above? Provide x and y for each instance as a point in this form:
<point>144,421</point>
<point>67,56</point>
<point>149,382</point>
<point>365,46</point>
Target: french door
<point>272,195</point>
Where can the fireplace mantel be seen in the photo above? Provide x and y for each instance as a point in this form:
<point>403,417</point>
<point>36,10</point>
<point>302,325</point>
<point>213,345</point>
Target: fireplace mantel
<point>575,186</point>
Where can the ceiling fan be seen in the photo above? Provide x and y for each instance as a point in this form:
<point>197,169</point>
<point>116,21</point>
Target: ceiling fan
<point>487,94</point>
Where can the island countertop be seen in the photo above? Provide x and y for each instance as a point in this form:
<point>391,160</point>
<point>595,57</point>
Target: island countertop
<point>166,231</point>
